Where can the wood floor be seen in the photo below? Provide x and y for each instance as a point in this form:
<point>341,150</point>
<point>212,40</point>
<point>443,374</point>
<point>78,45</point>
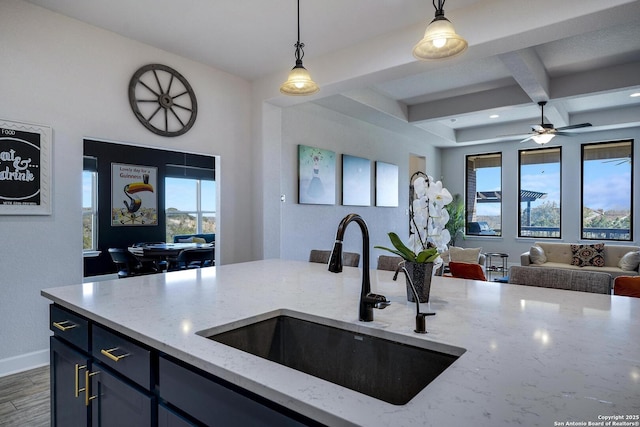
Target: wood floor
<point>24,399</point>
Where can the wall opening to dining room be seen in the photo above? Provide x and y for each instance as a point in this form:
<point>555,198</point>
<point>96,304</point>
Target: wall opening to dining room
<point>123,218</point>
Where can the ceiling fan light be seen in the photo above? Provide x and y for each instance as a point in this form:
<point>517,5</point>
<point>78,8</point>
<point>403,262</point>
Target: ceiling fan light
<point>440,41</point>
<point>542,138</point>
<point>299,82</point>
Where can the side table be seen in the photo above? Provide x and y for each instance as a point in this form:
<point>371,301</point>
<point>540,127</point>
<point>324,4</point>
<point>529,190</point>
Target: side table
<point>496,263</point>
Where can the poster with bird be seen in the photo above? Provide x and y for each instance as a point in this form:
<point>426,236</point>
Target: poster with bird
<point>133,195</point>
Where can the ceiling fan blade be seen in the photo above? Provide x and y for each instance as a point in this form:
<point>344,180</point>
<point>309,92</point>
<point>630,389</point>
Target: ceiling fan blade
<point>527,138</point>
<point>566,133</point>
<point>578,126</point>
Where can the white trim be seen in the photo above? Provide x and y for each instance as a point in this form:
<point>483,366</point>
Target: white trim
<point>24,362</point>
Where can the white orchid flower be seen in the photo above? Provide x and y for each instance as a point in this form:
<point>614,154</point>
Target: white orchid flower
<point>429,216</point>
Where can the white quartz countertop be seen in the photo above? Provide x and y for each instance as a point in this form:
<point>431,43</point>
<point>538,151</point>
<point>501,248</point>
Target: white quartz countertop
<point>534,356</point>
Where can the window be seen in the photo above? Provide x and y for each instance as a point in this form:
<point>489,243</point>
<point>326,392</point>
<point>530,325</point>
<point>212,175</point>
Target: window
<point>484,195</point>
<point>190,206</point>
<point>89,204</point>
<point>539,189</point>
<point>607,192</point>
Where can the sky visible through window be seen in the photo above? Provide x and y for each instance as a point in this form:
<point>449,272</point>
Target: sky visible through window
<point>543,178</point>
<point>611,193</point>
<point>607,184</point>
<point>86,190</point>
<point>181,194</point>
<point>488,179</point>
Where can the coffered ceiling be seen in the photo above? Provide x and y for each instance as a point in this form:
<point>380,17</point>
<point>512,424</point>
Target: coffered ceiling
<point>582,56</point>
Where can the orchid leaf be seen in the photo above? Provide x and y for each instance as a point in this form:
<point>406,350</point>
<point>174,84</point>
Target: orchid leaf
<point>428,255</point>
<point>393,251</point>
<point>397,243</point>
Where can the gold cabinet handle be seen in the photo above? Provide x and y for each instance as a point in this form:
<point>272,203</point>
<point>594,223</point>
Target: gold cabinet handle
<point>87,389</point>
<point>79,390</point>
<point>113,357</point>
<point>65,325</point>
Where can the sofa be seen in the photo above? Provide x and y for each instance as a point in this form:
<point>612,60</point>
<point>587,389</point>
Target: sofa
<point>616,260</point>
<point>561,278</point>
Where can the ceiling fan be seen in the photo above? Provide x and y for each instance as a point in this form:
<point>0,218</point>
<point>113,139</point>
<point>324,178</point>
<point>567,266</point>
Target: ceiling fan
<point>544,132</point>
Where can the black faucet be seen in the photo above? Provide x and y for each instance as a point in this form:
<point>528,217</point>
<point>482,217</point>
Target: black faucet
<point>368,301</point>
<point>421,327</point>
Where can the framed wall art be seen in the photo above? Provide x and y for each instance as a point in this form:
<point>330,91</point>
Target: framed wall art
<point>25,169</point>
<point>316,176</point>
<point>356,181</point>
<point>133,195</point>
<point>386,185</point>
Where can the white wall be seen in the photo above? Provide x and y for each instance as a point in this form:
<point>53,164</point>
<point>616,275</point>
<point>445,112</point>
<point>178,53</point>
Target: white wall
<point>305,227</point>
<point>74,77</point>
<point>453,166</point>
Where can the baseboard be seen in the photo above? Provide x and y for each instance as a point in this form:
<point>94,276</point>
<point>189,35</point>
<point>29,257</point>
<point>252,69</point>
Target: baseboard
<point>23,362</point>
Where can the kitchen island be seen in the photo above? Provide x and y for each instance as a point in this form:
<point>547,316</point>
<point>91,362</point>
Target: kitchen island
<point>534,356</point>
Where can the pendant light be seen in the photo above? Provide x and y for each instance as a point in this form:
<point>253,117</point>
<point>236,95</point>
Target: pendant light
<point>440,39</point>
<point>299,81</point>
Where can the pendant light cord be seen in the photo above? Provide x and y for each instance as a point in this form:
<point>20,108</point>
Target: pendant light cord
<point>299,46</point>
<point>439,8</point>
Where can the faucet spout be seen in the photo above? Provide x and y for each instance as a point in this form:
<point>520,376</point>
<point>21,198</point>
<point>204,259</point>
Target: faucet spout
<point>368,301</point>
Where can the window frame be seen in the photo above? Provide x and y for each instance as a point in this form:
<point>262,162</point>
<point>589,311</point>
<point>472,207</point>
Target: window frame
<point>520,158</point>
<point>93,213</point>
<point>471,198</point>
<point>630,141</point>
<point>199,213</point>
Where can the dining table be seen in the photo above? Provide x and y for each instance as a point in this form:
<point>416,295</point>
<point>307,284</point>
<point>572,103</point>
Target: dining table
<point>163,254</point>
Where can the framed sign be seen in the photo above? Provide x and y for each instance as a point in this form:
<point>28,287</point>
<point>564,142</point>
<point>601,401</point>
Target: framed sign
<point>25,169</point>
<point>133,195</point>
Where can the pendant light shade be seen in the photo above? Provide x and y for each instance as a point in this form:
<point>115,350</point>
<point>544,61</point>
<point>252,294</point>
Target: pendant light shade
<point>299,81</point>
<point>440,39</point>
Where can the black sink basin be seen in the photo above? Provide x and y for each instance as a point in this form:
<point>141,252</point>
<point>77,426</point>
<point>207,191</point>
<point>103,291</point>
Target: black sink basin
<point>385,369</point>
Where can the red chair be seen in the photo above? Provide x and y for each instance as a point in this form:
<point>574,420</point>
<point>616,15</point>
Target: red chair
<point>627,286</point>
<point>465,270</point>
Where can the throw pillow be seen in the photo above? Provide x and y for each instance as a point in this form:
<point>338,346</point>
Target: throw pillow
<point>537,256</point>
<point>588,255</point>
<point>630,261</point>
<point>199,240</point>
<point>187,240</point>
<point>470,255</point>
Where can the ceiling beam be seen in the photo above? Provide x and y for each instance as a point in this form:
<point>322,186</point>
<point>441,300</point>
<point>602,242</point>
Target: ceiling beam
<point>529,72</point>
<point>468,104</point>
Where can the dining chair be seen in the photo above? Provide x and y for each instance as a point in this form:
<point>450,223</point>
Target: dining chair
<point>194,258</point>
<point>349,259</point>
<point>389,262</point>
<point>467,270</point>
<point>128,265</point>
<point>627,286</point>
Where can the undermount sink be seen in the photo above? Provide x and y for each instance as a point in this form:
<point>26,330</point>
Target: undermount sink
<point>385,369</point>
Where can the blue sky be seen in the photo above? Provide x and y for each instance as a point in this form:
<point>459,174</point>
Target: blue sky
<point>607,184</point>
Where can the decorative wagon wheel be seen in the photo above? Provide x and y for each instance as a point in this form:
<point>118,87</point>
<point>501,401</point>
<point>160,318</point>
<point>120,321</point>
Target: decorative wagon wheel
<point>162,100</point>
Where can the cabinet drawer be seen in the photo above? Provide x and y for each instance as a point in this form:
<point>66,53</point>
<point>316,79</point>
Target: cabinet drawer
<point>69,326</point>
<point>211,402</point>
<point>122,355</point>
